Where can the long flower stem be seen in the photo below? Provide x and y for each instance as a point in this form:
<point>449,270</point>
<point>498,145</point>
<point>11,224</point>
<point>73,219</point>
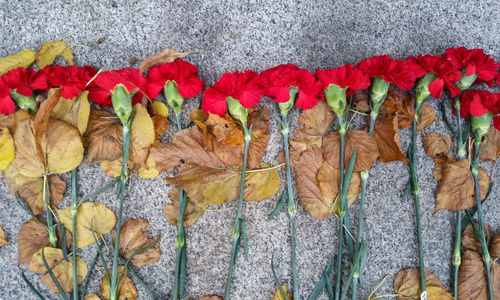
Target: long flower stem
<point>238,219</point>
<point>338,277</point>
<point>482,236</point>
<point>461,153</point>
<point>416,196</point>
<point>74,211</point>
<point>179,281</point>
<point>50,222</point>
<point>114,286</point>
<point>292,209</point>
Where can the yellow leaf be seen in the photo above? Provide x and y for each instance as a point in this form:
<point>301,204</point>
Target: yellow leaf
<point>126,290</point>
<point>74,111</point>
<point>3,238</point>
<point>23,59</point>
<point>89,214</point>
<point>160,108</point>
<point>279,295</point>
<point>7,150</point>
<point>134,236</point>
<point>62,269</point>
<point>91,297</point>
<point>50,50</point>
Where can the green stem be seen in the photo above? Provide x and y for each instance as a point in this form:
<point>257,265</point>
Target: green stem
<point>237,219</point>
<point>114,286</point>
<point>338,277</point>
<point>181,241</point>
<point>415,191</point>
<point>74,211</point>
<point>292,209</point>
<point>372,123</point>
<point>50,222</point>
<point>482,236</point>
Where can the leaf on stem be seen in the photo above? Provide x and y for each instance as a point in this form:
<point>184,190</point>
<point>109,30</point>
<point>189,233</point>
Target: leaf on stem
<point>492,152</point>
<point>278,295</point>
<point>3,238</point>
<point>7,150</point>
<point>126,289</point>
<point>436,145</point>
<point>407,285</point>
<point>104,137</point>
<point>165,56</point>
<point>404,103</point>
<point>74,111</point>
<point>192,213</point>
<point>456,189</point>
<point>24,59</point>
<point>62,269</point>
<point>134,236</point>
<point>89,214</point>
<point>50,50</point>
<point>33,236</point>
<point>472,282</point>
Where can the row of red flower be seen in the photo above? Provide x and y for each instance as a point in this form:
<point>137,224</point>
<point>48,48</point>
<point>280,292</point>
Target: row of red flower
<point>248,86</point>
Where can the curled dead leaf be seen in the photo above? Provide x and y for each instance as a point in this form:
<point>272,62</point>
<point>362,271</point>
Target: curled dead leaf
<point>104,137</point>
<point>404,104</point>
<point>134,236</point>
<point>407,285</point>
<point>126,289</point>
<point>469,239</point>
<point>472,282</point>
<point>24,59</point>
<point>50,50</point>
<point>436,145</point>
<point>492,152</point>
<point>74,111</point>
<point>165,56</point>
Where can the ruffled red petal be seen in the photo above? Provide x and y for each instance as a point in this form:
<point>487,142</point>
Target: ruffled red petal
<point>7,106</point>
<point>436,87</point>
<point>393,71</point>
<point>184,74</point>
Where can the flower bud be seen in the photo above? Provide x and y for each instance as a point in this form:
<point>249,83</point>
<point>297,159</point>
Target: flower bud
<point>286,106</point>
<point>336,98</point>
<point>27,103</point>
<point>422,90</point>
<point>466,81</point>
<point>379,90</point>
<point>174,99</point>
<point>481,125</point>
<point>236,110</point>
<point>122,103</point>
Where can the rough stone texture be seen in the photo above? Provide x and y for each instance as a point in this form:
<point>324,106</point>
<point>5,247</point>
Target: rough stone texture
<point>258,35</point>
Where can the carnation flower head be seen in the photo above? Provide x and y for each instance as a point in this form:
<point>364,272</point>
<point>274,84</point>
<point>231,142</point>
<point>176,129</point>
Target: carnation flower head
<point>443,72</point>
<point>278,81</point>
<point>21,81</point>
<point>183,73</point>
<point>346,76</point>
<point>245,87</point>
<point>394,71</point>
<point>71,79</point>
<point>102,86</point>
<point>481,106</point>
<point>473,61</point>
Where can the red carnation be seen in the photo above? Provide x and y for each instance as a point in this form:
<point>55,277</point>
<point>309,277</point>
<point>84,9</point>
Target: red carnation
<point>242,86</point>
<point>345,76</point>
<point>391,70</point>
<point>24,81</point>
<point>103,85</point>
<point>479,102</point>
<point>277,81</point>
<point>72,80</point>
<point>183,73</point>
<point>446,73</point>
<point>473,61</point>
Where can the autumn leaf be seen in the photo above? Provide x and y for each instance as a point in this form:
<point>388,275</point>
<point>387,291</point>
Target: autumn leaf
<point>74,111</point>
<point>165,56</point>
<point>30,189</point>
<point>134,236</point>
<point>469,239</point>
<point>212,297</point>
<point>126,289</point>
<point>3,238</point>
<point>62,269</point>
<point>278,295</point>
<point>472,282</point>
<point>33,236</point>
<point>11,121</point>
<point>160,120</point>
<point>361,102</point>
<point>91,297</point>
<point>328,179</point>
<point>492,152</point>
<point>171,211</point>
<point>427,116</point>
<point>24,59</point>
<point>90,215</point>
<point>367,151</point>
<point>7,150</point>
<point>436,145</point>
<point>407,285</point>
<point>495,245</point>
<point>50,50</point>
<point>456,189</point>
<point>104,137</point>
<point>404,103</point>
<point>319,118</point>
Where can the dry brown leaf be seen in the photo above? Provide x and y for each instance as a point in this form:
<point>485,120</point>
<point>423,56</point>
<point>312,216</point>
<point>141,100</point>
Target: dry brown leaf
<point>469,239</point>
<point>24,59</point>
<point>319,118</point>
<point>439,165</point>
<point>50,50</point>
<point>104,137</point>
<point>74,111</point>
<point>33,236</point>
<point>404,103</point>
<point>407,285</point>
<point>328,179</point>
<point>212,297</point>
<point>492,152</point>
<point>91,297</point>
<point>361,102</point>
<point>126,290</point>
<point>495,246</point>
<point>427,116</point>
<point>456,190</point>
<point>3,238</point>
<point>7,149</point>
<point>62,269</point>
<point>90,215</point>
<point>134,236</point>
<point>165,56</point>
<point>386,134</point>
<point>436,145</point>
<point>31,189</point>
<point>171,211</point>
<point>472,283</point>
<point>367,151</point>
<point>278,295</point>
<point>10,121</point>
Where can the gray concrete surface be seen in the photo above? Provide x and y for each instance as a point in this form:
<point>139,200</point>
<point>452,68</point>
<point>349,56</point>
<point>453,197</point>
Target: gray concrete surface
<point>258,34</point>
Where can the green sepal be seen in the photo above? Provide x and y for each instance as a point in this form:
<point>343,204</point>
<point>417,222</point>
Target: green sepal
<point>379,90</point>
<point>122,103</point>
<point>27,103</point>
<point>236,110</point>
<point>285,107</point>
<point>174,98</point>
<point>422,89</point>
<point>336,98</point>
<point>480,126</point>
<point>466,81</point>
